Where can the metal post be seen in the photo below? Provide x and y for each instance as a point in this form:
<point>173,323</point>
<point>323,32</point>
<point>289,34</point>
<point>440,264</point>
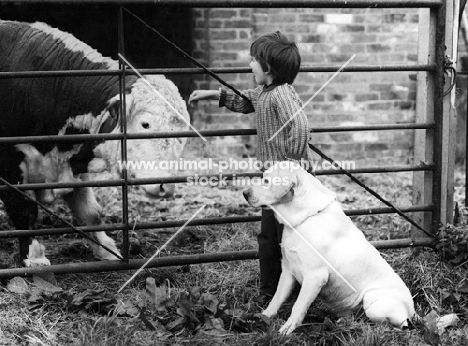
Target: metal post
<point>449,115</point>
<point>438,117</point>
<point>123,142</point>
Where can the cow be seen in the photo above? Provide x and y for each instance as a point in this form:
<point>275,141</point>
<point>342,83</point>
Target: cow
<point>75,105</point>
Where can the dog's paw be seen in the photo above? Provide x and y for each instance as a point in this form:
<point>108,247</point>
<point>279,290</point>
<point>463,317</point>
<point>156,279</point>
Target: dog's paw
<point>269,312</point>
<point>288,327</point>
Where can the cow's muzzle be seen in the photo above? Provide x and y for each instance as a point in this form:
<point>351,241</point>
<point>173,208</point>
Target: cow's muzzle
<point>159,190</point>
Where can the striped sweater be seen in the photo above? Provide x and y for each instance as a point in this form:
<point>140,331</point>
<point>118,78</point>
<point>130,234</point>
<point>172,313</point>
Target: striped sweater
<point>274,105</point>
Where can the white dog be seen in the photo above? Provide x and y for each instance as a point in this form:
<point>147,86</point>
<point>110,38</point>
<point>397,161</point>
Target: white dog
<point>326,253</point>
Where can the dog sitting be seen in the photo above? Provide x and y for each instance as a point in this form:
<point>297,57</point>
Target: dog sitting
<point>326,253</point>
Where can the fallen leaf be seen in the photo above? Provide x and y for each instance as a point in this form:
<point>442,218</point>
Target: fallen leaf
<point>157,295</point>
<point>210,302</point>
<point>446,321</point>
<point>127,309</point>
<point>94,300</point>
<point>431,335</point>
<point>49,277</point>
<point>185,310</point>
<point>176,324</point>
<point>36,295</point>
<point>18,285</point>
<point>45,285</point>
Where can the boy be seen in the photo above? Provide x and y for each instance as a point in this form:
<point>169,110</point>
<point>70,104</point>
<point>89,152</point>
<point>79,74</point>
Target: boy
<point>275,64</point>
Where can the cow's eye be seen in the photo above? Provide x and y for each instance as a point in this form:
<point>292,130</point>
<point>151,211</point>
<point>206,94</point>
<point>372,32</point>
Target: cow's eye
<point>145,125</point>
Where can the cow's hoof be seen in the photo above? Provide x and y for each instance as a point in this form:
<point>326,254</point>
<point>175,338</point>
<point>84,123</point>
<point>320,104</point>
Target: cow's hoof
<point>36,255</point>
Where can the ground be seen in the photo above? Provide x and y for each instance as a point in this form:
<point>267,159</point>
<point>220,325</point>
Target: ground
<point>211,304</point>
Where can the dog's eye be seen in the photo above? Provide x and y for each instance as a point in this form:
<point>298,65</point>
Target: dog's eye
<point>266,181</point>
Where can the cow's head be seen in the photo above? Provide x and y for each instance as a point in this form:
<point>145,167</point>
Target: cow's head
<point>150,108</point>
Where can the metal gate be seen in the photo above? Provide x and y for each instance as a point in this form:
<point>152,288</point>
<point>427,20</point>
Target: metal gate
<point>434,121</point>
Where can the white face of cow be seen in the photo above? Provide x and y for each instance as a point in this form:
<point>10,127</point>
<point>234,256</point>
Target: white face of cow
<point>158,108</point>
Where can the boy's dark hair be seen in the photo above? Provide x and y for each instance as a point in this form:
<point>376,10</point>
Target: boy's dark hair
<point>276,52</point>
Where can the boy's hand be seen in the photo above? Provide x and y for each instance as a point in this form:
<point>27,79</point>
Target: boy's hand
<point>198,95</point>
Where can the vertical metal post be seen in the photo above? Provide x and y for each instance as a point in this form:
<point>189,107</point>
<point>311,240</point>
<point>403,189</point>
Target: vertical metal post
<point>438,117</point>
<point>123,142</point>
<point>449,115</point>
<point>445,120</point>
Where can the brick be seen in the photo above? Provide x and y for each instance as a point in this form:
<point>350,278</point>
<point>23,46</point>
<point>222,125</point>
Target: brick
<point>378,28</point>
<point>394,18</point>
<point>366,97</point>
<point>311,18</point>
<point>223,34</point>
<point>339,18</point>
<point>404,105</point>
<point>216,24</point>
<point>336,97</point>
<point>239,23</point>
<point>377,47</point>
<point>393,58</point>
<point>223,56</point>
<point>353,28</point>
<point>359,38</point>
<point>311,38</point>
<point>243,34</point>
<point>373,106</point>
<point>412,57</point>
<point>223,13</point>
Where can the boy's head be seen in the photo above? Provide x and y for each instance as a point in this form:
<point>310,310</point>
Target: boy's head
<point>277,54</point>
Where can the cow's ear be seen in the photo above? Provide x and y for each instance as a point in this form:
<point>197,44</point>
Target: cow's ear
<point>112,121</point>
<point>114,109</point>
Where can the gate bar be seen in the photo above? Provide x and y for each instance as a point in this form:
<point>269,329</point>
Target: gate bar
<point>108,266</point>
<point>256,3</point>
<point>194,222</point>
<point>228,177</point>
<point>219,70</point>
<point>205,133</point>
<point>123,141</point>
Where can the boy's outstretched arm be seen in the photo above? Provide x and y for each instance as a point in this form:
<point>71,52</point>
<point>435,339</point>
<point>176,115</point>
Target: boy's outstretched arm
<point>198,95</point>
<point>237,103</point>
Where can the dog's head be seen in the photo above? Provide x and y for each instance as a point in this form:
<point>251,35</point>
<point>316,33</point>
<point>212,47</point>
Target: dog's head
<point>287,182</point>
<point>276,186</point>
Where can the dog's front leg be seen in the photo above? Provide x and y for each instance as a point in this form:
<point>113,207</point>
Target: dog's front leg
<point>311,286</point>
<point>283,291</point>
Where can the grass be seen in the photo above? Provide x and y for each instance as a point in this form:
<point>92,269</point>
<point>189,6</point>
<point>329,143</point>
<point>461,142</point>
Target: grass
<point>192,291</point>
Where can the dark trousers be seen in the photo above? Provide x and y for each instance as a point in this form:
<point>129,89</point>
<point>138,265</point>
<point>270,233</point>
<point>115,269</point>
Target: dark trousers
<point>269,252</point>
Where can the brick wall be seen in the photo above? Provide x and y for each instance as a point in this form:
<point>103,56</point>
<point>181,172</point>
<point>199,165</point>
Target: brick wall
<point>222,38</point>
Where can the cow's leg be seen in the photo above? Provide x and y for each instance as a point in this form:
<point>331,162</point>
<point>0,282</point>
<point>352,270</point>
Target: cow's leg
<point>311,286</point>
<point>87,211</point>
<point>23,214</point>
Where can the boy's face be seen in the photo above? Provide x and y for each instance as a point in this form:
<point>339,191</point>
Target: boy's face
<point>261,77</point>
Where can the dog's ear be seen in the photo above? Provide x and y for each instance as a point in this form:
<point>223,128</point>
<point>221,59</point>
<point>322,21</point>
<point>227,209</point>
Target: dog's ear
<point>318,196</point>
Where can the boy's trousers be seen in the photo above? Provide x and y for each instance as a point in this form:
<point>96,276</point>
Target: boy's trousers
<point>269,252</point>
